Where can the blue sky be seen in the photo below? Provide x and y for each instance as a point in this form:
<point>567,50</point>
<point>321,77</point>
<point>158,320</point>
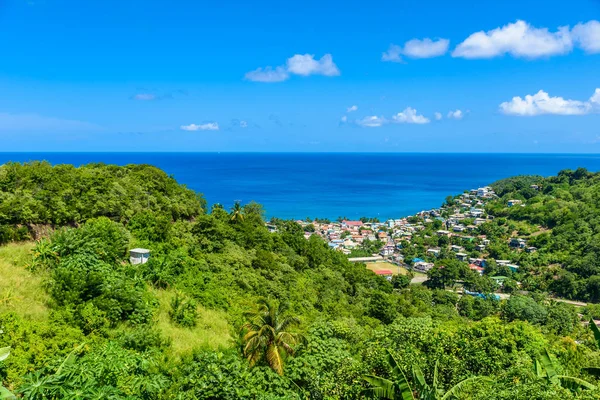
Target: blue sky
<point>193,76</point>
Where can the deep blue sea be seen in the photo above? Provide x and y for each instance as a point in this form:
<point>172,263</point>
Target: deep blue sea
<point>329,185</point>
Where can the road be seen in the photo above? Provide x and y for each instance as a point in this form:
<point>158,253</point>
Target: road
<point>417,280</point>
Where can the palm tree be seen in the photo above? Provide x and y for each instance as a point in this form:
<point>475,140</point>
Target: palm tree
<point>545,369</point>
<point>399,388</point>
<point>266,336</point>
<point>237,212</point>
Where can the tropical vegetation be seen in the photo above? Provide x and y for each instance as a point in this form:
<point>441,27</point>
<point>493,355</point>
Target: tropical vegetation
<point>228,308</point>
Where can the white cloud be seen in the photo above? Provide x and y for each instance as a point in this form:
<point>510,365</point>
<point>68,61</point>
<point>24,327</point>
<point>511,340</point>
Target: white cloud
<point>457,114</point>
<point>371,121</point>
<point>416,48</point>
<point>305,65</point>
<point>518,39</point>
<point>438,116</point>
<point>425,48</point>
<point>587,36</point>
<point>268,74</point>
<point>35,122</point>
<point>298,64</point>
<point>409,116</point>
<point>352,108</point>
<point>243,124</point>
<point>209,126</point>
<point>595,99</point>
<point>144,96</point>
<point>541,103</point>
<point>344,119</point>
<point>393,54</point>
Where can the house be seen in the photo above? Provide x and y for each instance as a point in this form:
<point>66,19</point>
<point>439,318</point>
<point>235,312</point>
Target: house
<point>442,233</point>
<point>387,251</point>
<point>458,228</point>
<point>531,249</point>
<point>455,248</point>
<point>513,267</point>
<point>480,247</point>
<point>423,266</point>
<point>516,242</point>
<point>534,187</point>
<point>477,268</point>
<point>480,262</point>
<point>435,252</point>
<point>476,212</point>
<point>461,256</point>
<point>352,224</point>
<point>385,273</point>
<point>482,192</point>
<point>271,228</point>
<point>479,221</point>
<point>502,262</point>
<point>139,256</point>
<point>514,202</point>
<point>485,242</point>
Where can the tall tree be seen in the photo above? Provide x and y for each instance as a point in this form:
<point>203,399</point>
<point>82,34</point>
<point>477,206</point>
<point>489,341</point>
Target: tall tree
<point>237,212</point>
<point>266,335</point>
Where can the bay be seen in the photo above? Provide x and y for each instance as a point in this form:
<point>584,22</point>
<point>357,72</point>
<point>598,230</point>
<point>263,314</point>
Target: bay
<point>330,185</point>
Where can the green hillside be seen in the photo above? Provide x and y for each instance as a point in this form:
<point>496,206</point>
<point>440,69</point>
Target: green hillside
<point>227,309</point>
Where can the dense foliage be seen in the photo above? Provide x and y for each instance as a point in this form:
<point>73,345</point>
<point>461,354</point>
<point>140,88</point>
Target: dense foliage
<point>285,316</point>
<point>563,217</point>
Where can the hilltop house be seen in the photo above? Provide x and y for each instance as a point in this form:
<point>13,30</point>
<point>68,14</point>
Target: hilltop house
<point>139,256</point>
<point>423,266</point>
<point>517,242</point>
<point>461,256</point>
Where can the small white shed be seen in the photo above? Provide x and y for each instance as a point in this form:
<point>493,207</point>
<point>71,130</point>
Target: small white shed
<point>139,256</point>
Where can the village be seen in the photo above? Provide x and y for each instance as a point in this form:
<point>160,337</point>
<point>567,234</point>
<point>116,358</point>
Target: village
<point>393,243</point>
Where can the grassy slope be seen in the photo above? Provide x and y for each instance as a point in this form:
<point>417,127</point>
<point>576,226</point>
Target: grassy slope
<point>20,290</point>
<point>212,330</point>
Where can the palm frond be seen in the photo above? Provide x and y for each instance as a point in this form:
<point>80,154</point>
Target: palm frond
<point>548,365</point>
<point>573,383</point>
<point>393,363</point>
<point>70,359</point>
<point>5,394</point>
<point>4,353</point>
<point>274,358</point>
<point>405,389</point>
<point>419,377</point>
<point>435,375</point>
<point>382,388</point>
<point>595,330</point>
<point>537,369</point>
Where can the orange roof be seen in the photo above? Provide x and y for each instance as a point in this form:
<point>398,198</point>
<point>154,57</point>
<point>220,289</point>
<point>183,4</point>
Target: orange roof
<point>384,272</point>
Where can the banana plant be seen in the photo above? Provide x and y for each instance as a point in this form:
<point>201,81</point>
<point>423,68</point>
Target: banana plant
<point>545,369</point>
<point>596,331</point>
<point>399,387</point>
<point>5,394</point>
